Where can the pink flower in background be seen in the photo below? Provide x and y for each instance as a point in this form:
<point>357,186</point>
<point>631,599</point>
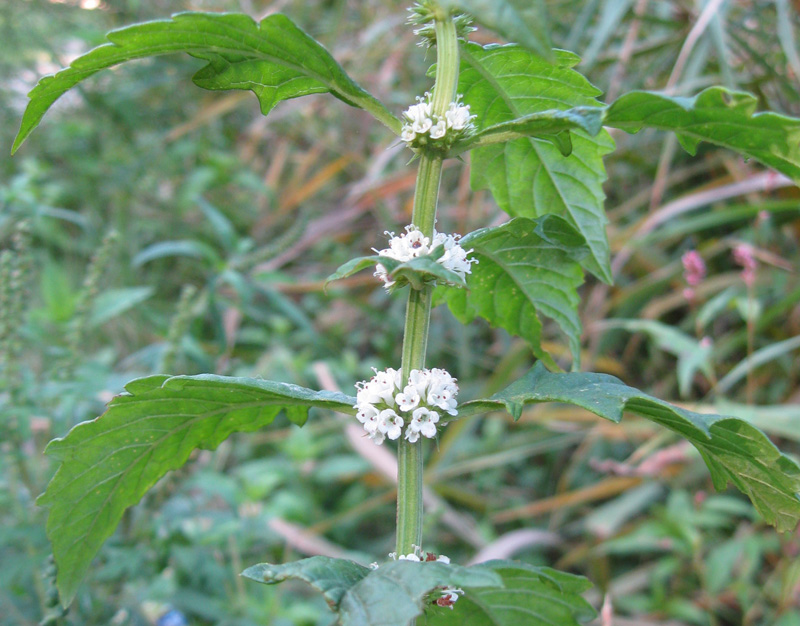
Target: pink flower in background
<point>743,255</point>
<point>694,271</point>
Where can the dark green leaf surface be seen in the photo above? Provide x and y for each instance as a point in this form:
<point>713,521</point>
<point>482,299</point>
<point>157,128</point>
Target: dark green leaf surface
<point>529,177</point>
<point>526,268</point>
<point>274,59</point>
<point>416,271</point>
<point>534,596</point>
<point>719,116</point>
<point>393,594</point>
<point>734,450</point>
<point>109,463</point>
<point>519,21</point>
<point>552,126</point>
<point>331,577</point>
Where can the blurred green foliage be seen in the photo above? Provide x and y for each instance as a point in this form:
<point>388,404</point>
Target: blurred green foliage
<point>229,224</point>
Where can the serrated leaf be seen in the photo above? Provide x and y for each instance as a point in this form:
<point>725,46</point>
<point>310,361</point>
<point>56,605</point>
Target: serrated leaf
<point>526,268</point>
<point>416,271</point>
<point>390,595</point>
<point>393,594</point>
<point>108,464</point>
<point>529,177</point>
<point>534,596</point>
<point>519,21</point>
<point>331,577</point>
<point>719,116</point>
<point>734,450</point>
<point>273,58</point>
<point>552,126</point>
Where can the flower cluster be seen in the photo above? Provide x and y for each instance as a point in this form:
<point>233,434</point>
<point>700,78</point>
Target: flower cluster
<point>413,244</point>
<point>422,15</point>
<point>384,407</point>
<point>424,127</point>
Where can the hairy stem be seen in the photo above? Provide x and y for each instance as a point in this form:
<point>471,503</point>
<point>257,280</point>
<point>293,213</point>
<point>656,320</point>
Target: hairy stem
<point>418,313</point>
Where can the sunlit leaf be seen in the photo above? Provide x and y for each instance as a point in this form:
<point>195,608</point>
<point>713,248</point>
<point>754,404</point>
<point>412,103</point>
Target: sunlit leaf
<point>526,269</point>
<point>734,450</point>
<point>416,271</point>
<point>719,116</point>
<point>534,596</point>
<point>273,58</point>
<point>109,463</point>
<point>552,126</point>
<point>390,595</point>
<point>530,177</point>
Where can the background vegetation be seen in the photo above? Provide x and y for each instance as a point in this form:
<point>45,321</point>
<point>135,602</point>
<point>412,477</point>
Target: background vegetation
<point>161,228</point>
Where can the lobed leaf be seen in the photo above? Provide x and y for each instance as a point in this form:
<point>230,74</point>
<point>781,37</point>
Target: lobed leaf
<point>535,596</point>
<point>109,463</point>
<point>333,578</point>
<point>273,58</point>
<point>716,115</point>
<point>416,271</point>
<point>733,450</point>
<point>526,268</point>
<point>391,595</point>
<point>552,126</point>
<point>530,177</point>
<point>521,21</point>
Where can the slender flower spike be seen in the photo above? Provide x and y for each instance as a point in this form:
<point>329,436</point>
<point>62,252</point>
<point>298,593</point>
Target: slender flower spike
<point>423,129</point>
<point>387,411</point>
<point>413,244</point>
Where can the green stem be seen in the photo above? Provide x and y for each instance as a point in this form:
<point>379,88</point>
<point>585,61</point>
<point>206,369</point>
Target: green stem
<point>418,313</point>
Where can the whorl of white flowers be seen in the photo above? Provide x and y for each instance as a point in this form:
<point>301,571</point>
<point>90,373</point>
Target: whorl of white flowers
<point>384,407</point>
<point>423,127</point>
<point>413,244</point>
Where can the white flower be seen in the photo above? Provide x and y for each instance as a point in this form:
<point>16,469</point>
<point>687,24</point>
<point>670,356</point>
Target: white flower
<point>412,436</point>
<point>449,597</point>
<point>420,120</point>
<point>378,437</point>
<point>378,403</point>
<point>409,398</point>
<point>413,244</point>
<point>407,134</point>
<point>424,421</point>
<point>365,412</point>
<point>409,557</point>
<point>439,129</point>
<point>457,116</point>
<point>390,424</point>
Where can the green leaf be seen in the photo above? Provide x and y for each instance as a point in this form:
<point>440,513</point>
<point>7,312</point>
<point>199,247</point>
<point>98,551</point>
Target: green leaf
<point>273,58</point>
<point>108,464</point>
<point>734,450</point>
<point>183,247</point>
<point>391,595</point>
<point>519,21</point>
<point>416,271</point>
<point>529,177</point>
<point>719,116</point>
<point>108,304</point>
<point>552,126</point>
<point>333,578</point>
<point>526,268</point>
<point>534,596</point>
